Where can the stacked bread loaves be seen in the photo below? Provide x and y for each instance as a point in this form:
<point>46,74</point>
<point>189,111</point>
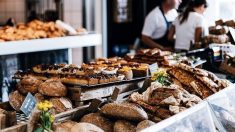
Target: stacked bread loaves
<point>51,89</point>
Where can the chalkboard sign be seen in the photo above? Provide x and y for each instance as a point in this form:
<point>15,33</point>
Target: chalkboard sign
<point>28,104</point>
<point>153,68</point>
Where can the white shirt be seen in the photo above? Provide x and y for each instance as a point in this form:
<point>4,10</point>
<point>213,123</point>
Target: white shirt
<point>185,32</point>
<point>155,25</point>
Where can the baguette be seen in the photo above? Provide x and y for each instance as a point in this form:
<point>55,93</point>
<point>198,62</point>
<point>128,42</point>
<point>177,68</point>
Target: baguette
<point>192,70</point>
<point>209,83</point>
<point>128,111</point>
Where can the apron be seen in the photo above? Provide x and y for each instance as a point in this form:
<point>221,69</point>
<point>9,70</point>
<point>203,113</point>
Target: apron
<point>163,41</point>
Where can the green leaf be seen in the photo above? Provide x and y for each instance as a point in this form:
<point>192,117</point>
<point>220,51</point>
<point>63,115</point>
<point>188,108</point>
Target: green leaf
<point>39,129</point>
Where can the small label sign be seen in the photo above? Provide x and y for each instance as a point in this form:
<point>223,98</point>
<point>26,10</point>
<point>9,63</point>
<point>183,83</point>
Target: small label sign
<point>153,68</point>
<point>28,104</point>
<point>232,32</point>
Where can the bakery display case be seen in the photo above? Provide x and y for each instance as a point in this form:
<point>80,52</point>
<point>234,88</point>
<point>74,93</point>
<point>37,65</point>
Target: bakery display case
<point>145,90</point>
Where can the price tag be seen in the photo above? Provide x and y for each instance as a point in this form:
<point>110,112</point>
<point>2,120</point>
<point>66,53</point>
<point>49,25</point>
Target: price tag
<point>232,33</point>
<point>153,68</point>
<point>28,104</point>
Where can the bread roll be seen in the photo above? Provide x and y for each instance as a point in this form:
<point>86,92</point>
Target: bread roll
<point>28,84</point>
<point>53,87</point>
<point>128,111</point>
<point>61,104</point>
<point>98,120</point>
<point>123,126</point>
<point>64,126</point>
<point>144,124</point>
<point>16,100</point>
<point>85,127</point>
<point>39,97</point>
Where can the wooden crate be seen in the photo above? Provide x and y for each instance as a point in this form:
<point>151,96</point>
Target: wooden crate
<point>80,94</point>
<point>9,122</point>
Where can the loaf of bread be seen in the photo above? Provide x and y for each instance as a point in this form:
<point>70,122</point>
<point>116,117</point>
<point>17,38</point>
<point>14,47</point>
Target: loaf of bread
<point>28,84</point>
<point>16,100</point>
<point>128,111</point>
<point>123,126</point>
<point>63,126</point>
<point>61,104</point>
<point>85,127</point>
<point>39,97</point>
<point>98,120</point>
<point>52,87</point>
<point>144,124</point>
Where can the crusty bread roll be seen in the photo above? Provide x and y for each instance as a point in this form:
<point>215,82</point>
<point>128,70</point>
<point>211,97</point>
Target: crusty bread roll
<point>123,126</point>
<point>85,127</point>
<point>144,124</point>
<point>28,84</point>
<point>64,126</point>
<point>98,120</point>
<point>128,111</point>
<point>39,97</point>
<point>16,100</point>
<point>61,104</point>
<point>52,87</point>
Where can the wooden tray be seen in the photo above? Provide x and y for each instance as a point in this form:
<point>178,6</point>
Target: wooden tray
<point>80,94</point>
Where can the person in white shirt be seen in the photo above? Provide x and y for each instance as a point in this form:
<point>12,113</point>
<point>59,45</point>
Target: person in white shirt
<point>189,26</point>
<point>157,23</point>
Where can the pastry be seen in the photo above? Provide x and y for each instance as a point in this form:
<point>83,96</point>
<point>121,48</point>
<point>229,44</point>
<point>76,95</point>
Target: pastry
<point>127,71</point>
<point>52,87</point>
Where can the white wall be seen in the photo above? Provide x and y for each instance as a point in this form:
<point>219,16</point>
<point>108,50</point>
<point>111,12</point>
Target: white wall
<point>220,9</point>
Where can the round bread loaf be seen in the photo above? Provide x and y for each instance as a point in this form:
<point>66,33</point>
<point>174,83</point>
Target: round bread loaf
<point>28,84</point>
<point>61,104</point>
<point>39,97</point>
<point>144,124</point>
<point>53,88</point>
<point>85,127</point>
<point>123,126</point>
<point>127,111</point>
<point>98,120</point>
<point>64,126</point>
<point>16,100</point>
